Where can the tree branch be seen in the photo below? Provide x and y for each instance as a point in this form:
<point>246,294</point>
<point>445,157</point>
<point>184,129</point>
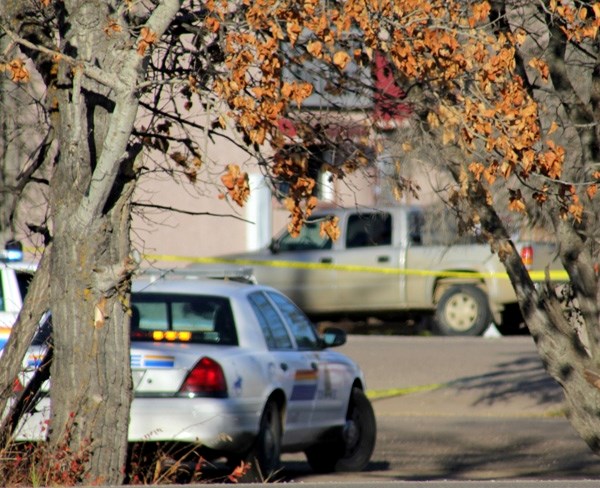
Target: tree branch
<point>122,119</point>
<point>190,212</point>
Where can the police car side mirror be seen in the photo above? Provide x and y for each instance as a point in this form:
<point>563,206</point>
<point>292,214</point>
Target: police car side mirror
<point>274,246</point>
<point>333,337</point>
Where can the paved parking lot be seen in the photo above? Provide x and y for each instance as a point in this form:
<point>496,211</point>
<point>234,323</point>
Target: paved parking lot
<point>463,409</point>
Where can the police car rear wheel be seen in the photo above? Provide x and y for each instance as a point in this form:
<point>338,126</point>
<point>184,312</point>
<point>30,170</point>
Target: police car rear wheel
<point>264,456</point>
<point>354,448</point>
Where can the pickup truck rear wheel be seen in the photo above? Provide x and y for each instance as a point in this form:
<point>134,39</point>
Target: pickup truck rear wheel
<point>462,310</point>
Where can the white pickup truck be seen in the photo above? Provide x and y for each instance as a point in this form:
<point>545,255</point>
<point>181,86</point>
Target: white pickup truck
<point>390,262</point>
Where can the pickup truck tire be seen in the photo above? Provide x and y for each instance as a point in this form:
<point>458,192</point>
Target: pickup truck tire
<point>352,450</point>
<point>463,310</point>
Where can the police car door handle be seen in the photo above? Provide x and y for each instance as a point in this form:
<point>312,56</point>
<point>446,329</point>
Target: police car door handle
<point>314,366</point>
<point>284,366</point>
<point>327,260</point>
<point>383,259</point>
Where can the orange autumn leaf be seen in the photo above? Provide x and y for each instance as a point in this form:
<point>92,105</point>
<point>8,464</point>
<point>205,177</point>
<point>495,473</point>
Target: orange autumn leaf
<point>553,128</point>
<point>112,27</point>
<point>17,71</point>
<point>239,472</point>
<point>516,203</point>
<point>237,184</point>
<point>480,13</point>
<point>315,48</point>
<point>591,191</point>
<point>542,68</point>
<point>520,36</point>
<point>341,59</point>
<point>552,160</point>
<point>147,38</point>
<point>293,30</point>
<point>576,210</point>
<point>330,229</point>
<point>213,24</point>
<point>477,170</point>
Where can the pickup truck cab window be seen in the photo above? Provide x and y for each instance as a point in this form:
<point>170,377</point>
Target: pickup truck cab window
<point>369,230</point>
<point>310,239</point>
<point>415,228</point>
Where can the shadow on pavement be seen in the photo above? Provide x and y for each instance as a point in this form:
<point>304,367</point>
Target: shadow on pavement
<point>522,377</point>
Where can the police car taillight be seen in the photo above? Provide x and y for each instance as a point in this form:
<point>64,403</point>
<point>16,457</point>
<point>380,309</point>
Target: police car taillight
<point>205,380</point>
<point>17,386</point>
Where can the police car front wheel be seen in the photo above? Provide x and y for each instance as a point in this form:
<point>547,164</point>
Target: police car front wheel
<point>353,449</point>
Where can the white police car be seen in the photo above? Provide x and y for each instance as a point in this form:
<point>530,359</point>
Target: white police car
<point>15,276</point>
<point>238,370</point>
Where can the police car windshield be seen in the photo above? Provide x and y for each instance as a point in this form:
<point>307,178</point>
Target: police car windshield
<point>201,319</point>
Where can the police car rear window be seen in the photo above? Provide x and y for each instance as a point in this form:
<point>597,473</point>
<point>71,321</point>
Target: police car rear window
<point>203,319</point>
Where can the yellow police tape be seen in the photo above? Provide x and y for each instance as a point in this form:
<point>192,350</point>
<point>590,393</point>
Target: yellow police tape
<point>555,275</point>
<point>394,392</point>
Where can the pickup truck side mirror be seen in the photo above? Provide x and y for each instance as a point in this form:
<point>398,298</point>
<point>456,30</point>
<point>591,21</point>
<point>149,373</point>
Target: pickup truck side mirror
<point>274,246</point>
<point>333,337</point>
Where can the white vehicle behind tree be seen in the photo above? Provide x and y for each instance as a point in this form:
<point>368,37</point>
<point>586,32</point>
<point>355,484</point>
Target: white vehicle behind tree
<point>15,275</point>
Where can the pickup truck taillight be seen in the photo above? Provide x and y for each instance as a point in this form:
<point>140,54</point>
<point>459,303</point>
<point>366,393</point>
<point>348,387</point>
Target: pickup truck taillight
<point>527,256</point>
<point>205,380</point>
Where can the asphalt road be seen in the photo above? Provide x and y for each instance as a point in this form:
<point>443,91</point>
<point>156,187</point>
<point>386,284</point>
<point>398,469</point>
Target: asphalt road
<point>461,409</point>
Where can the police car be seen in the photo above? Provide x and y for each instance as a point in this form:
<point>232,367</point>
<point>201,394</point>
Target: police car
<point>238,370</point>
<point>15,276</point>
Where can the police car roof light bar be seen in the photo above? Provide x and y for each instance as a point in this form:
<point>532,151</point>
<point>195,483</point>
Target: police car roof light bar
<point>13,251</point>
<point>241,274</point>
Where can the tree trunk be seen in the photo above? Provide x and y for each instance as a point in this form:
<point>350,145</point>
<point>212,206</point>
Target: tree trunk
<point>90,269</point>
<point>90,274</point>
<point>564,346</point>
<point>91,377</point>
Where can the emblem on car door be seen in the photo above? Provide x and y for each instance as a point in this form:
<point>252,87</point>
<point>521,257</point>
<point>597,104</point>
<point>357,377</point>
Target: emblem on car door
<point>305,385</point>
